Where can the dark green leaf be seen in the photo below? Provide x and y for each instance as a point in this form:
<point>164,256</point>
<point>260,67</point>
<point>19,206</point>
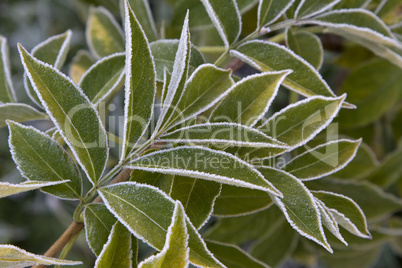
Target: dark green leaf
<point>7,93</point>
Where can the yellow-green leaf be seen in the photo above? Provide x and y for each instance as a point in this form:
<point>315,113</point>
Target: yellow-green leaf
<point>19,112</point>
<point>309,8</point>
<point>81,62</point>
<point>270,10</point>
<point>306,45</point>
<point>7,189</point>
<point>143,13</point>
<point>7,93</point>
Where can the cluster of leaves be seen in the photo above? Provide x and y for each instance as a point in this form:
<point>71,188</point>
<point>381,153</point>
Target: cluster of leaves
<point>195,155</point>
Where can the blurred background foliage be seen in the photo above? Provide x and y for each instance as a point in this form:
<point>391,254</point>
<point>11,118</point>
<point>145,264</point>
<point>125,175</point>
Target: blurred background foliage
<point>33,221</point>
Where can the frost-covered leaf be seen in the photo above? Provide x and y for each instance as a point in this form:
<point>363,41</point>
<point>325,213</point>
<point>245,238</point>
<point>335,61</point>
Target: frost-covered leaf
<point>162,181</point>
<point>140,87</point>
<point>197,196</point>
<point>147,213</point>
<point>233,256</point>
<point>52,51</point>
<point>40,158</point>
<point>175,252</point>
<point>270,10</point>
<point>225,16</point>
<point>73,114</point>
<point>117,251</point>
<point>298,123</point>
<point>306,45</point>
<point>98,225</point>
<point>7,93</point>
<point>323,160</point>
<point>373,84</point>
<point>81,62</point>
<point>389,171</point>
<point>204,163</point>
<point>103,78</point>
<point>104,35</point>
<point>346,212</point>
<point>268,56</point>
<point>15,257</point>
<point>19,112</point>
<point>298,205</point>
<point>309,8</point>
<point>249,99</point>
<point>144,16</point>
<point>238,201</point>
<point>164,53</point>
<point>222,134</point>
<point>7,189</point>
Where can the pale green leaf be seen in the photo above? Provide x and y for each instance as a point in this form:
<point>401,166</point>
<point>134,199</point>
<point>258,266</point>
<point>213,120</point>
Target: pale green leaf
<point>270,11</point>
<point>233,256</point>
<point>40,158</point>
<point>345,211</point>
<point>222,134</point>
<point>81,62</point>
<point>7,93</point>
<point>249,99</point>
<point>7,189</point>
<point>164,53</point>
<point>306,45</point>
<point>147,213</point>
<point>140,87</point>
<point>204,163</point>
<point>73,114</point>
<point>268,56</point>
<point>373,84</point>
<point>352,4</point>
<point>162,181</point>
<point>15,257</point>
<point>103,78</point>
<point>225,16</point>
<point>309,8</point>
<point>117,251</point>
<point>52,51</point>
<point>175,252</point>
<point>298,205</point>
<point>98,225</point>
<point>197,196</point>
<point>104,35</point>
<point>144,16</point>
<point>389,171</point>
<point>238,201</point>
<point>323,160</point>
<point>19,112</point>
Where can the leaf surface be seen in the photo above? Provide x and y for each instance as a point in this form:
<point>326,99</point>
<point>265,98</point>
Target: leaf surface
<point>19,112</point>
<point>7,189</point>
<point>80,63</point>
<point>309,8</point>
<point>144,16</point>
<point>306,45</point>
<point>270,10</point>
<point>7,93</point>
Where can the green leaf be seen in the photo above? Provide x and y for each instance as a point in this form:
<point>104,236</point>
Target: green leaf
<point>298,205</point>
<point>81,62</point>
<point>7,189</point>
<point>19,112</point>
<point>52,51</point>
<point>270,11</point>
<point>197,197</point>
<point>225,16</point>
<point>98,225</point>
<point>268,56</point>
<point>73,114</point>
<point>103,78</point>
<point>249,99</point>
<point>15,257</point>
<point>162,181</point>
<point>7,93</point>
<point>389,171</point>
<point>373,84</point>
<point>233,256</point>
<point>346,212</point>
<point>204,163</point>
<point>306,45</point>
<point>117,251</point>
<point>143,14</point>
<point>298,123</point>
<point>175,252</point>
<point>140,85</point>
<point>147,213</point>
<point>238,201</point>
<point>39,158</point>
<point>104,35</point>
<point>323,160</point>
<point>309,8</point>
<point>222,134</point>
<point>164,53</point>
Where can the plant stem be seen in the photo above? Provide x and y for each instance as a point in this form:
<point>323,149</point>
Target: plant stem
<point>212,49</point>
